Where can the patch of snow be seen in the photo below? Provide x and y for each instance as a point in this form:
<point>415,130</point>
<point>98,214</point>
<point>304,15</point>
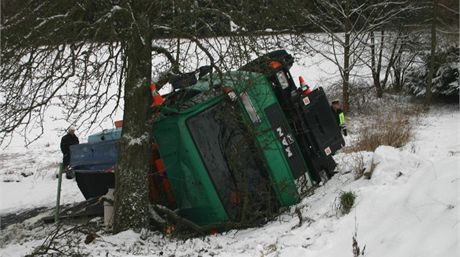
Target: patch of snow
<point>138,140</point>
<point>116,8</point>
<point>38,189</point>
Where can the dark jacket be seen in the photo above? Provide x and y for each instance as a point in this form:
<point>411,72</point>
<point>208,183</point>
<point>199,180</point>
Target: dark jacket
<point>67,141</point>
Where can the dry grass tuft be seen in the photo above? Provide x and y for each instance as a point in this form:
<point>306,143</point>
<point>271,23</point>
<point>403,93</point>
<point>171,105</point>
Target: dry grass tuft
<point>392,128</point>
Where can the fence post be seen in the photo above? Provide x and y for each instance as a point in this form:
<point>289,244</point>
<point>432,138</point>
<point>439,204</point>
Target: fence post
<point>58,198</point>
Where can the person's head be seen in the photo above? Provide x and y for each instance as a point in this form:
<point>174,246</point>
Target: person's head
<point>335,104</point>
<point>71,130</point>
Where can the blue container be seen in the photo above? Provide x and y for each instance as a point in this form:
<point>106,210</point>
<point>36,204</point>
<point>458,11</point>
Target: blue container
<point>98,156</point>
<point>105,135</point>
<point>93,164</point>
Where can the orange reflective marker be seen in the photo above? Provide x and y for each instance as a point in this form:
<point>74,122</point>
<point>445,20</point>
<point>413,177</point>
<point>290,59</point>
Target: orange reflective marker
<point>157,99</point>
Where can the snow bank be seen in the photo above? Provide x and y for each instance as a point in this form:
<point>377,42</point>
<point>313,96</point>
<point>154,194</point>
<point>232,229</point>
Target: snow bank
<point>408,208</point>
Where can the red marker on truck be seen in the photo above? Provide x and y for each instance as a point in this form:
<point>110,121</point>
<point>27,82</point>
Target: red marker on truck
<point>303,85</point>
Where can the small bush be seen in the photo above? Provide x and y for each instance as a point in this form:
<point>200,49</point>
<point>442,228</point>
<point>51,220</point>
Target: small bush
<point>347,200</point>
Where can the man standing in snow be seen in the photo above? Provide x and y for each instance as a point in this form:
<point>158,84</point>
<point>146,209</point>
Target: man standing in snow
<point>69,139</point>
<point>339,116</point>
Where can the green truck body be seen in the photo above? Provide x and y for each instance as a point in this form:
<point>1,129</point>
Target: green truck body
<point>195,192</point>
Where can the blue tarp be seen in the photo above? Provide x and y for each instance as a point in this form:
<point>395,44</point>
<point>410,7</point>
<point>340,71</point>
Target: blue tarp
<point>98,156</point>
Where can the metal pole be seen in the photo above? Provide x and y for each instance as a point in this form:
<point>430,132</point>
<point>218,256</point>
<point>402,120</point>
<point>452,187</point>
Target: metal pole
<point>58,198</point>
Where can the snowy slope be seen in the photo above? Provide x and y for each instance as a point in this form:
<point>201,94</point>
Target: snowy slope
<point>410,207</point>
<point>27,179</point>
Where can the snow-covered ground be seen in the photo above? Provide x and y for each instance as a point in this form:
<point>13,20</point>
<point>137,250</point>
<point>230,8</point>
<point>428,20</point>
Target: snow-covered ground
<point>410,206</point>
<point>28,179</point>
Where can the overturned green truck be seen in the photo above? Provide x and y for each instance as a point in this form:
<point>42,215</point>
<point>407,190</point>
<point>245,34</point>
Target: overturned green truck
<point>228,147</point>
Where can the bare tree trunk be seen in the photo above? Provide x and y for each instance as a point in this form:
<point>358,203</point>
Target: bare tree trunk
<point>346,59</point>
<point>131,188</point>
<point>397,72</point>
<point>392,58</point>
<point>346,82</point>
<point>376,64</point>
<point>429,84</point>
<point>399,68</point>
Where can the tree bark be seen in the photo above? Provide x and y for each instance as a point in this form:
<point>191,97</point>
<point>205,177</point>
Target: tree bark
<point>397,84</point>
<point>346,60</point>
<point>376,63</point>
<point>131,184</point>
<point>397,66</point>
<point>429,84</point>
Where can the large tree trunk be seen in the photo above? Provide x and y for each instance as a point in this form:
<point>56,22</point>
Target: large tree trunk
<point>131,185</point>
<point>429,83</point>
